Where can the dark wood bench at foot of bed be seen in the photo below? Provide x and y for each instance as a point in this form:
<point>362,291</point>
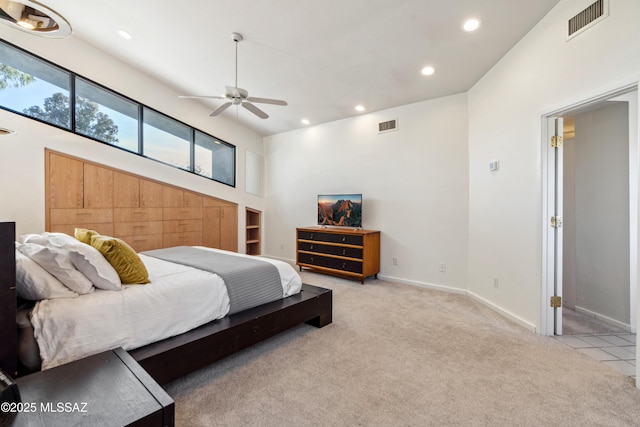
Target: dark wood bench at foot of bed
<point>174,357</point>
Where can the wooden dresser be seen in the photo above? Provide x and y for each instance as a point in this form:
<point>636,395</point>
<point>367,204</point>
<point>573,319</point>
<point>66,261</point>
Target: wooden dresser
<point>144,213</point>
<point>341,251</point>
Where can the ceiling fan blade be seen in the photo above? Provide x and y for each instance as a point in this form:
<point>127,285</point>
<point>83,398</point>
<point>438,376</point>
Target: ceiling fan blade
<point>255,110</point>
<point>267,101</point>
<point>220,109</point>
<point>202,96</point>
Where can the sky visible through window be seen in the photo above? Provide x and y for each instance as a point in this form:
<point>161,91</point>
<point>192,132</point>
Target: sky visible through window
<point>160,145</point>
<point>41,90</point>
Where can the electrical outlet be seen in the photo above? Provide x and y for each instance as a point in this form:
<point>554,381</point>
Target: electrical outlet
<point>395,260</point>
<point>496,282</point>
<point>443,267</point>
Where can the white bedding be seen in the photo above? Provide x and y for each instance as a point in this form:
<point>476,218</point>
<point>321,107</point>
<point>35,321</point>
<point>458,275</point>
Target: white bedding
<point>179,298</point>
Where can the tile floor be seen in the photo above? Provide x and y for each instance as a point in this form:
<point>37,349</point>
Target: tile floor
<point>617,350</point>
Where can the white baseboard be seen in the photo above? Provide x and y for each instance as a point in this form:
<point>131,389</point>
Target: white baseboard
<point>423,284</point>
<point>610,321</point>
<point>528,325</point>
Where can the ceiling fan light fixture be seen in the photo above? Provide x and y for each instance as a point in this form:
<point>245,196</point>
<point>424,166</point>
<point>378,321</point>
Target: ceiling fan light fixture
<point>34,18</point>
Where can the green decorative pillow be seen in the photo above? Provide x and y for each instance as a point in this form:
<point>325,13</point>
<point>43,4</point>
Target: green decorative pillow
<point>84,235</point>
<point>123,258</point>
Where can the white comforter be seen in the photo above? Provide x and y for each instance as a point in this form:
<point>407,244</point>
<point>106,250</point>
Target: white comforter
<point>179,298</point>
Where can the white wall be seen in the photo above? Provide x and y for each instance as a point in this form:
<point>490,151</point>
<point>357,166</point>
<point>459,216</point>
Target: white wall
<point>22,155</point>
<point>542,73</point>
<point>414,183</point>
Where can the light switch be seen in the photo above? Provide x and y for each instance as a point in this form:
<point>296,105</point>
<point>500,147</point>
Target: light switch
<point>493,165</point>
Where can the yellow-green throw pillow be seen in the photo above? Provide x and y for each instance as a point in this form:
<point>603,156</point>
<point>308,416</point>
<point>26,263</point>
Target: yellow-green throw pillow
<point>123,258</point>
<point>84,235</point>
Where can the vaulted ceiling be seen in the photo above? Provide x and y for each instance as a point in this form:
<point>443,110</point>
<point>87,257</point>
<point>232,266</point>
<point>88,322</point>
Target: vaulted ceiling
<point>322,57</point>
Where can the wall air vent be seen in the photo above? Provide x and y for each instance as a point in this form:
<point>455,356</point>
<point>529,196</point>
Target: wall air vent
<point>587,18</point>
<point>388,126</point>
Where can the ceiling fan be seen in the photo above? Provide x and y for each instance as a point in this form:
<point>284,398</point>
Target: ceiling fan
<point>238,96</point>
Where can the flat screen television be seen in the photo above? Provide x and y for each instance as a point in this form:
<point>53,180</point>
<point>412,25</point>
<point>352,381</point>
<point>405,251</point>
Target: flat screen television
<point>342,210</point>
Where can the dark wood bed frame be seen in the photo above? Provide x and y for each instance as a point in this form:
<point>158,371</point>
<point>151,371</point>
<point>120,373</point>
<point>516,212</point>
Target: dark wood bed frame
<point>174,357</point>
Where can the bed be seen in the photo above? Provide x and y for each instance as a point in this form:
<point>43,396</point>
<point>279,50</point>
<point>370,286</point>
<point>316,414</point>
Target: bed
<point>147,319</point>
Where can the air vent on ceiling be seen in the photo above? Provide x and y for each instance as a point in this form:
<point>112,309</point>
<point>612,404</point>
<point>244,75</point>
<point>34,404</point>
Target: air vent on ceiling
<point>593,14</point>
<point>388,126</point>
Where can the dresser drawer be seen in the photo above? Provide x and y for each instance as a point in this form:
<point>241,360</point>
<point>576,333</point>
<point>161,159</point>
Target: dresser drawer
<point>328,262</point>
<point>182,225</point>
<point>137,214</point>
<point>182,213</point>
<point>137,228</point>
<point>105,229</point>
<point>192,238</point>
<point>81,216</point>
<point>319,236</point>
<point>345,251</point>
<point>143,243</point>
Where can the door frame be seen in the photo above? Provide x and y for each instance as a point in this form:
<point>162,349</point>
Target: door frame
<point>548,244</point>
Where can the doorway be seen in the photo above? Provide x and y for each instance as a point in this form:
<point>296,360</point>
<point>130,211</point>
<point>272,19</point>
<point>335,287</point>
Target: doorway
<point>586,215</point>
<point>596,287</point>
<point>590,219</point>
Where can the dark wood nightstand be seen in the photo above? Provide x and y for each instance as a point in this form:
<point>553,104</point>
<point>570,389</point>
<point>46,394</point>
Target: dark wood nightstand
<point>106,389</point>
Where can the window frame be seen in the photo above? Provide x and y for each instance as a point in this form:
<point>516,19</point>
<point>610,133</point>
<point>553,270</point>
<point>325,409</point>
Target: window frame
<point>140,117</point>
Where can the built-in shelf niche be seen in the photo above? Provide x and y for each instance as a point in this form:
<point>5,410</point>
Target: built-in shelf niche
<point>253,231</point>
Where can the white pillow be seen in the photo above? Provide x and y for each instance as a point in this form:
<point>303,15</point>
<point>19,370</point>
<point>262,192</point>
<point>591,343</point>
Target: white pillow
<point>90,262</point>
<point>34,238</point>
<point>34,283</point>
<point>57,262</point>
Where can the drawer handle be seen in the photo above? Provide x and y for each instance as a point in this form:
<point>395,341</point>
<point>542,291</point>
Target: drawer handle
<point>344,252</point>
<point>311,236</point>
<point>83,213</point>
<point>311,247</point>
<point>311,259</point>
<point>344,265</point>
<point>344,238</point>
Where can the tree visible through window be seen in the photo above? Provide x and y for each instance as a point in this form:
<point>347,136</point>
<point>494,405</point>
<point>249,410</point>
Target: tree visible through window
<point>36,88</point>
<point>57,111</point>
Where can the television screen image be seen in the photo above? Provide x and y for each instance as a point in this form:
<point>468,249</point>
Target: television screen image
<point>343,210</point>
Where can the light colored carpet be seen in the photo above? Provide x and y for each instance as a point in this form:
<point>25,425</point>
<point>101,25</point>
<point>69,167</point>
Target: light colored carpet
<point>398,355</point>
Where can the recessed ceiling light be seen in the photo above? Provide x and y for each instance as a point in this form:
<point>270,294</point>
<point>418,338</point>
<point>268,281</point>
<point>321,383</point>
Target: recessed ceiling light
<point>305,121</point>
<point>124,34</point>
<point>471,24</point>
<point>427,71</point>
<point>359,108</point>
